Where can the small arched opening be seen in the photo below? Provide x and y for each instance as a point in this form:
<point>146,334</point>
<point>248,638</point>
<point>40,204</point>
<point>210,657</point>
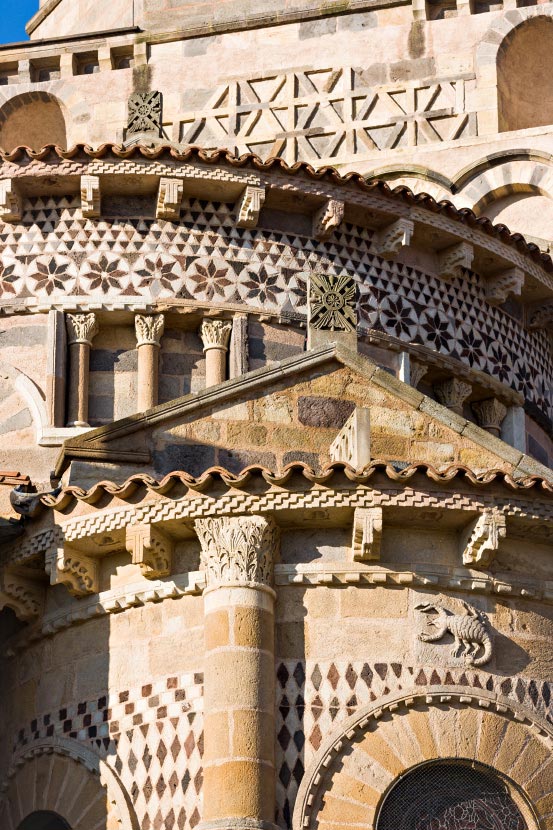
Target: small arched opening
<point>33,120</point>
<point>44,820</point>
<point>524,70</point>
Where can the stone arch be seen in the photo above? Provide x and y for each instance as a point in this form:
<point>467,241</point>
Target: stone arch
<point>356,766</point>
<point>34,403</point>
<point>498,37</point>
<point>417,178</point>
<point>61,776</point>
<point>33,119</point>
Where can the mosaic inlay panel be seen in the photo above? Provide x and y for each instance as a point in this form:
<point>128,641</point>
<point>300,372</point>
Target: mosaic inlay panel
<point>207,259</point>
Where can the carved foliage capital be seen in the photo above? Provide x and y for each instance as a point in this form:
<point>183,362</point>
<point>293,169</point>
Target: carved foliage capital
<point>237,549</point>
<point>81,328</point>
<point>453,393</point>
<point>149,329</point>
<point>150,549</point>
<point>490,414</point>
<point>215,334</point>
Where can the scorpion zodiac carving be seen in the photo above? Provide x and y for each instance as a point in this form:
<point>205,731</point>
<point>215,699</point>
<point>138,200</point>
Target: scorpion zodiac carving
<point>469,630</point>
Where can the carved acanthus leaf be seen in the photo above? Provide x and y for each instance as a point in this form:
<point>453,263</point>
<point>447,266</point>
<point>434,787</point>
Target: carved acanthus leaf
<point>328,218</point>
<point>367,534</point>
<point>490,414</point>
<point>416,372</point>
<point>23,595</point>
<point>78,572</point>
<point>151,549</point>
<point>480,539</point>
<point>453,393</point>
<point>11,203</point>
<point>169,198</point>
<point>237,549</point>
<point>81,328</point>
<point>453,260</point>
<point>388,241</point>
<point>215,334</point>
<point>352,445</point>
<point>149,329</point>
<point>249,206</point>
<point>90,197</point>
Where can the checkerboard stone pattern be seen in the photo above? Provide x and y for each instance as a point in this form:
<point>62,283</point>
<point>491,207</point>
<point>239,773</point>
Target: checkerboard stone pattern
<point>206,258</point>
<point>152,736</point>
<point>313,698</point>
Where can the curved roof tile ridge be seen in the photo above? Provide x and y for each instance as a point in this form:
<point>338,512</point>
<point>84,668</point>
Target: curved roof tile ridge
<point>194,152</point>
<point>213,475</point>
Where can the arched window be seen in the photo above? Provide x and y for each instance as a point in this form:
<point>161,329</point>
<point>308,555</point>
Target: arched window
<point>44,820</point>
<point>524,71</point>
<point>450,795</point>
<point>32,120</point>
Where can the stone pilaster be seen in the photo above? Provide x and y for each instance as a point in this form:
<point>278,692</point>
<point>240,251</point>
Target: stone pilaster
<point>239,697</point>
<point>149,331</point>
<point>81,330</point>
<point>215,336</point>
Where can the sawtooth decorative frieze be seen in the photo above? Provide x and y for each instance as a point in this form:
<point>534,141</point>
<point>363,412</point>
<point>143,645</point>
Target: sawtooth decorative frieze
<point>150,548</point>
<point>23,595</point>
<point>68,566</point>
<point>237,549</point>
<point>249,206</point>
<point>332,302</point>
<point>91,206</point>
<point>352,445</point>
<point>149,329</point>
<point>480,539</point>
<point>328,218</point>
<point>454,260</point>
<point>81,328</point>
<point>11,203</point>
<point>388,241</point>
<point>367,534</point>
<point>169,198</point>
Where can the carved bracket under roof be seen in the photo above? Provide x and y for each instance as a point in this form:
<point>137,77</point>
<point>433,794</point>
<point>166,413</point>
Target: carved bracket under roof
<point>23,595</point>
<point>11,204</point>
<point>78,572</point>
<point>541,316</point>
<point>328,218</point>
<point>367,534</point>
<point>503,285</point>
<point>90,197</point>
<point>480,539</point>
<point>453,260</point>
<point>169,198</point>
<point>151,549</point>
<point>249,206</point>
<point>352,445</point>
<point>388,241</point>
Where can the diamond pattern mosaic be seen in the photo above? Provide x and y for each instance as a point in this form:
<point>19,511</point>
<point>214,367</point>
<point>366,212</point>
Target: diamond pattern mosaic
<point>313,698</point>
<point>207,258</point>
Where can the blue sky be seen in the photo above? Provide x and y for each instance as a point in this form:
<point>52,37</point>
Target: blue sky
<point>13,16</point>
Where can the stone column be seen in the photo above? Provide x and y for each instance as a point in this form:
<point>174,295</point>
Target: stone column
<point>215,336</point>
<point>81,330</point>
<point>239,697</point>
<point>149,330</point>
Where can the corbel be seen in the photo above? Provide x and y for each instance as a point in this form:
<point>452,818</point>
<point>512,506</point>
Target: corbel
<point>389,240</point>
<point>455,258</point>
<point>328,218</point>
<point>352,445</point>
<point>78,572</point>
<point>480,539</point>
<point>540,316</point>
<point>249,206</point>
<point>151,549</point>
<point>11,203</point>
<point>169,198</point>
<point>90,197</point>
<point>23,595</point>
<point>367,534</point>
<point>502,285</point>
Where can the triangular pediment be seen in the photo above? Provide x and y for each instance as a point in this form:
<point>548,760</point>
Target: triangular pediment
<point>293,411</point>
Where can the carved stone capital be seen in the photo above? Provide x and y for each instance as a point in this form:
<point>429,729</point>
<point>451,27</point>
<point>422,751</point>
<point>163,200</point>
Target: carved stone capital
<point>328,218</point>
<point>237,549</point>
<point>453,260</point>
<point>169,198</point>
<point>215,334</point>
<point>90,197</point>
<point>453,393</point>
<point>81,328</point>
<point>501,286</point>
<point>388,241</point>
<point>149,329</point>
<point>480,539</point>
<point>78,572</point>
<point>416,372</point>
<point>367,534</point>
<point>24,596</point>
<point>249,207</point>
<point>151,549</point>
<point>490,414</point>
<point>11,204</point>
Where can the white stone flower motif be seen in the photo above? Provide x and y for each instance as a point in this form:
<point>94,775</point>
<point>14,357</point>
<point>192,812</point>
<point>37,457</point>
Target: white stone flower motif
<point>157,275</point>
<point>210,278</point>
<point>51,274</point>
<point>105,274</point>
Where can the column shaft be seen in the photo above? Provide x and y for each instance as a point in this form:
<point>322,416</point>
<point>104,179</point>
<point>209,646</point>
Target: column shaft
<point>81,329</point>
<point>149,330</point>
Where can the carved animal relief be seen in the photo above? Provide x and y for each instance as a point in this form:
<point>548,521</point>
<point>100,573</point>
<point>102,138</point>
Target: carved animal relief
<point>471,639</point>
